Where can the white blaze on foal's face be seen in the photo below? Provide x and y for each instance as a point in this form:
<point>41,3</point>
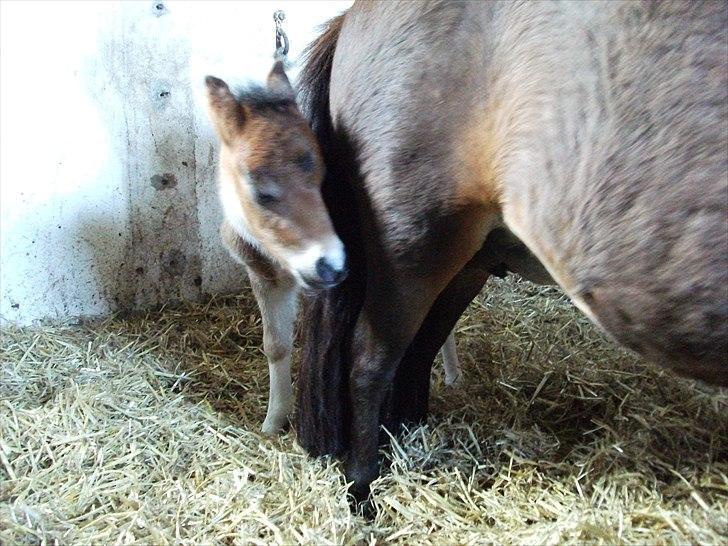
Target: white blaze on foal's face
<point>270,179</point>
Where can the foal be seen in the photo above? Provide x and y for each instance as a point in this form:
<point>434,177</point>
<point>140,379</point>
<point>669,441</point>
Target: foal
<point>276,223</point>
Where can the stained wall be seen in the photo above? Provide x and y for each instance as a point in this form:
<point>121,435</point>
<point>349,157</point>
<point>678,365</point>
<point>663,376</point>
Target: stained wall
<point>107,157</point>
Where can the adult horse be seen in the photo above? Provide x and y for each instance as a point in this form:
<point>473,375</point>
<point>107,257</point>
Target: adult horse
<point>596,132</point>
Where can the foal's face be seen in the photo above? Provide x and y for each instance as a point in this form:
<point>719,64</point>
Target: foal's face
<point>270,180</point>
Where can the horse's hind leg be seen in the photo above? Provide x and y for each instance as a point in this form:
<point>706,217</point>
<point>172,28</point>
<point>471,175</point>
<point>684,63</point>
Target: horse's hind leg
<point>388,322</point>
<point>410,396</point>
<point>399,296</point>
<point>278,302</point>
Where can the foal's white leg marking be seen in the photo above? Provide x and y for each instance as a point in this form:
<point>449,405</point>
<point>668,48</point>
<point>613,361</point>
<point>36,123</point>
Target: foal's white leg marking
<point>278,303</point>
<point>450,360</point>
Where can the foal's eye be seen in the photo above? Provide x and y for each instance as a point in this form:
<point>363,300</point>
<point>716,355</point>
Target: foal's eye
<point>305,162</point>
<point>265,199</point>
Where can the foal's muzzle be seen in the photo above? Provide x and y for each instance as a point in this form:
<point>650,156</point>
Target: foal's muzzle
<point>327,275</point>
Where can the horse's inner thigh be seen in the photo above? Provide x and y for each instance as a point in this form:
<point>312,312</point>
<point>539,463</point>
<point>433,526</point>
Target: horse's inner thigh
<point>411,388</point>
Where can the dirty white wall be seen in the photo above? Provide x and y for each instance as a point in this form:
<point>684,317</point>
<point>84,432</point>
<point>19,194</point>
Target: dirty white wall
<point>107,158</point>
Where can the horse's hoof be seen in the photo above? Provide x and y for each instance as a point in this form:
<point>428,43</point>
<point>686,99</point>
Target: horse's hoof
<point>363,507</point>
<point>361,476</point>
<point>360,494</point>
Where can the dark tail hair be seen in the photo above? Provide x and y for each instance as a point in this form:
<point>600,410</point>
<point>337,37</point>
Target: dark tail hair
<point>329,317</point>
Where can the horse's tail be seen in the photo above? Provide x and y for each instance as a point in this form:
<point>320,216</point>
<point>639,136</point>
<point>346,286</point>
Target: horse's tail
<point>314,79</point>
<point>329,317</point>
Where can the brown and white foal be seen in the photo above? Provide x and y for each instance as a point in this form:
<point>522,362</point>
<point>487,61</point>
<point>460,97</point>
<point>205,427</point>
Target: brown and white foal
<point>276,223</point>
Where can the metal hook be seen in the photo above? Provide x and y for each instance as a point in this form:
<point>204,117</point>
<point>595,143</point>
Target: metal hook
<point>282,43</point>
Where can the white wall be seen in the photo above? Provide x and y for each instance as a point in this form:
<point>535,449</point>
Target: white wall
<point>99,102</point>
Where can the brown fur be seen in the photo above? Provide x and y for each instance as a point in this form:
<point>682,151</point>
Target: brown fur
<point>267,146</point>
<point>276,223</point>
<point>246,253</point>
<point>594,131</point>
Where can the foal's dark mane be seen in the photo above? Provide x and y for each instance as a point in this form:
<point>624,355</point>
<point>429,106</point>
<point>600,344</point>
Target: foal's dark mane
<point>261,98</point>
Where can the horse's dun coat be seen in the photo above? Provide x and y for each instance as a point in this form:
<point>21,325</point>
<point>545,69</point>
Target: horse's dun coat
<point>596,132</point>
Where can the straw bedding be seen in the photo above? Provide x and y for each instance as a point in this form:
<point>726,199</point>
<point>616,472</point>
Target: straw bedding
<point>145,430</point>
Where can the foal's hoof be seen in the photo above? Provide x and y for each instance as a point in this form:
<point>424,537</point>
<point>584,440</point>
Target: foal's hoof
<point>453,380</point>
<point>273,426</point>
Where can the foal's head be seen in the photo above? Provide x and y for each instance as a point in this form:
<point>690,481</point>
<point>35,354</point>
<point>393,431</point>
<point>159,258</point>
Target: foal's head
<point>271,171</point>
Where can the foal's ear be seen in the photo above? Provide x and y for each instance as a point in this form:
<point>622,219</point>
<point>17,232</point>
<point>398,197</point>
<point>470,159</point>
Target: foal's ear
<point>278,81</point>
<point>226,113</point>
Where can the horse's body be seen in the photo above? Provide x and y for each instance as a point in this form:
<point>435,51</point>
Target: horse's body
<point>597,133</point>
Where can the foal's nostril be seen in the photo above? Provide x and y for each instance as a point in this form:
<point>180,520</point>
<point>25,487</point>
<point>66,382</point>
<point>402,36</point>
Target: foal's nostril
<point>329,274</point>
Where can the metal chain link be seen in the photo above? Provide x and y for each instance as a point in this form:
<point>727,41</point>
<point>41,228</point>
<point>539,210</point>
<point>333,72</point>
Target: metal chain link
<point>281,38</point>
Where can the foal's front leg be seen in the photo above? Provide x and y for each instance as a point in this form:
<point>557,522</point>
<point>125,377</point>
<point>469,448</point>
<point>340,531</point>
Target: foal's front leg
<point>276,293</point>
<point>278,303</point>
